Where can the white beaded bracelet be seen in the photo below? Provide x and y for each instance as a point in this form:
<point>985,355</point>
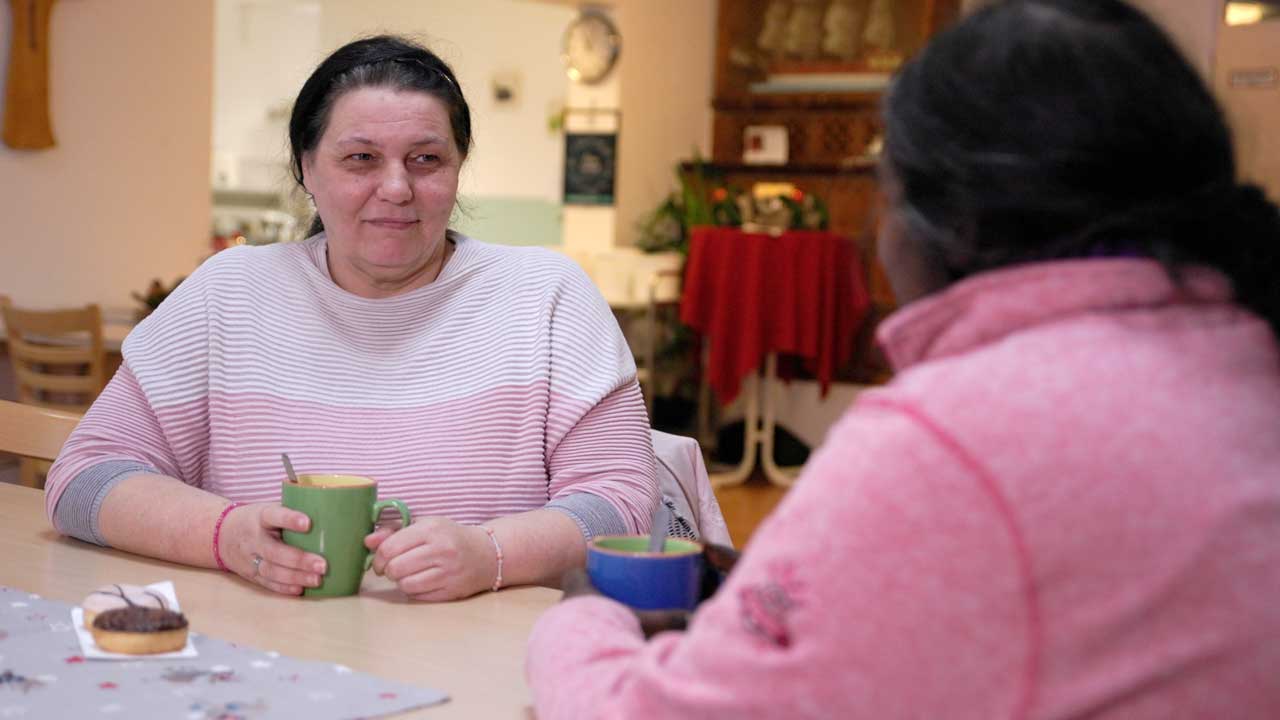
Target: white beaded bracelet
<point>497,582</point>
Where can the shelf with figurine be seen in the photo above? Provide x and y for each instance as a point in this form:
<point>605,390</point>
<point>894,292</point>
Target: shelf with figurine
<point>818,53</point>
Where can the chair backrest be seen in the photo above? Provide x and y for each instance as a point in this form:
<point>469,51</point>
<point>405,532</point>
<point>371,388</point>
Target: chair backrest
<point>686,489</point>
<point>34,432</point>
<point>57,355</point>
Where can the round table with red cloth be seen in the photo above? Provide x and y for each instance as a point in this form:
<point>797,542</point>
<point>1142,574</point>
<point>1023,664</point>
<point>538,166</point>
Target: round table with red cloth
<point>800,294</point>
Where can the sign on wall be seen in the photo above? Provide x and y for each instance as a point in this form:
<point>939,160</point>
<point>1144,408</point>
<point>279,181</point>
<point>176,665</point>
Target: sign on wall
<point>590,163</point>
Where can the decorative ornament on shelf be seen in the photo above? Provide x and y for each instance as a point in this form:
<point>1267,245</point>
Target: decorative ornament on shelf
<point>774,214</point>
<point>802,36</point>
<point>704,198</point>
<point>881,31</point>
<point>840,30</point>
<point>156,293</point>
<point>774,28</point>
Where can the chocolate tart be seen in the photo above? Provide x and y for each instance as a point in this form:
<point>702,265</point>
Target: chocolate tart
<point>137,630</point>
<point>110,597</point>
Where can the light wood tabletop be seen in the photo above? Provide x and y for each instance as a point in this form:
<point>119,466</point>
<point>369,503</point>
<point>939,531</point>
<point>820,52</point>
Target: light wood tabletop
<point>472,650</point>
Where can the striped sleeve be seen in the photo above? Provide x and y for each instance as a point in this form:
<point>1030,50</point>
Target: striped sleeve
<point>121,426</point>
<point>160,424</point>
<point>598,439</point>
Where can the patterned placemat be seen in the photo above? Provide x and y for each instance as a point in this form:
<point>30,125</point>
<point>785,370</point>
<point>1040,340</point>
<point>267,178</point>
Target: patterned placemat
<point>44,675</point>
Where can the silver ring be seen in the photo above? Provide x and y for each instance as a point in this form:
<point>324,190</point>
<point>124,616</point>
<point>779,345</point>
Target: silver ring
<point>257,564</point>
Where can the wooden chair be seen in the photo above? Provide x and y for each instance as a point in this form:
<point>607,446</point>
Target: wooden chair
<point>686,490</point>
<point>58,364</point>
<point>34,432</point>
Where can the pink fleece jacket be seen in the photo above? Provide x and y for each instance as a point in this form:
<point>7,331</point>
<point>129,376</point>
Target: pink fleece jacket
<point>1066,505</point>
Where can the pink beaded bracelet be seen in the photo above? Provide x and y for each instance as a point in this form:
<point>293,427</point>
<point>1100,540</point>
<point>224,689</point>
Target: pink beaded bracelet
<point>497,583</point>
<point>217,531</point>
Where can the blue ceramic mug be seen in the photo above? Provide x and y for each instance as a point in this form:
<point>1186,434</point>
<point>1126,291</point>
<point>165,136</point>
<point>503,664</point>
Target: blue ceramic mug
<point>621,568</point>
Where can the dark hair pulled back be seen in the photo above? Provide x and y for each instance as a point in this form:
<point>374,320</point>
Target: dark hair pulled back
<point>1043,129</point>
<point>380,61</point>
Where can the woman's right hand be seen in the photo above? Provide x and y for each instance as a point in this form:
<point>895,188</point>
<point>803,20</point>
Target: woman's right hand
<point>717,562</point>
<point>251,547</point>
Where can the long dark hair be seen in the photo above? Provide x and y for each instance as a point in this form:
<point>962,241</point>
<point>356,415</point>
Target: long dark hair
<point>1042,129</point>
<point>381,61</point>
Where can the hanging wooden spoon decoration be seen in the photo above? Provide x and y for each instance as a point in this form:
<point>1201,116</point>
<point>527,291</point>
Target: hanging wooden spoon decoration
<point>27,125</point>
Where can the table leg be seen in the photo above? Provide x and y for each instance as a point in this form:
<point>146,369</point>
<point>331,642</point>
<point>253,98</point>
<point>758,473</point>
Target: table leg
<point>772,471</point>
<point>704,406</point>
<point>750,436</point>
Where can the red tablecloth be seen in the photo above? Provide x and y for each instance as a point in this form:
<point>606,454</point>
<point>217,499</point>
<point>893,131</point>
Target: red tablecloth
<point>747,294</point>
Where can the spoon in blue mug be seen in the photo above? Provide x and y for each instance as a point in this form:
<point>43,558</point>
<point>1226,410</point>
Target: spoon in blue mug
<point>658,531</point>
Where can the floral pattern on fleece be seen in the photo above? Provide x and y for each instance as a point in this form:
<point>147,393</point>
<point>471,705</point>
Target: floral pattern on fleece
<point>767,605</point>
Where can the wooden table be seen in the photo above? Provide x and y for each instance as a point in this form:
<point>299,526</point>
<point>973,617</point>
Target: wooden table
<point>473,650</point>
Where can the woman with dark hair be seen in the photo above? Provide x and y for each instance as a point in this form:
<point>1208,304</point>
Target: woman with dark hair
<point>1067,502</point>
<point>488,387</point>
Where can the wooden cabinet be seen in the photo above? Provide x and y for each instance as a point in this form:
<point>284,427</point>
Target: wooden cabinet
<point>818,68</point>
<point>781,53</point>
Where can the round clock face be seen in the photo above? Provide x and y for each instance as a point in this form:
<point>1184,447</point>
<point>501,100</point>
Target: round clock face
<point>591,46</point>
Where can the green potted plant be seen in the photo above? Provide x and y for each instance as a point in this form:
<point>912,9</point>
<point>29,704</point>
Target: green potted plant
<point>155,294</point>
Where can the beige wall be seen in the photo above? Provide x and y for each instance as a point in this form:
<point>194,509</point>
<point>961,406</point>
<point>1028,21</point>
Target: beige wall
<point>592,229</point>
<point>124,197</point>
<point>1217,50</point>
<point>1254,112</point>
<point>667,69</point>
<point>1193,25</point>
<point>515,154</point>
<point>663,85</point>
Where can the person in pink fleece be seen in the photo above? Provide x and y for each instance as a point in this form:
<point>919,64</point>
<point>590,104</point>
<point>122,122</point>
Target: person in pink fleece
<point>1067,502</point>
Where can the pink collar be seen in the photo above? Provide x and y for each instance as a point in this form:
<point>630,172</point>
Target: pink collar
<point>988,306</point>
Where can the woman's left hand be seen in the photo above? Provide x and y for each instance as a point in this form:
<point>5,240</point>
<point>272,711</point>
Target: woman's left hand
<point>435,559</point>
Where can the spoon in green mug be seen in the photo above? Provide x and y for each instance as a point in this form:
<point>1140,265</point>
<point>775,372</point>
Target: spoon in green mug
<point>288,468</point>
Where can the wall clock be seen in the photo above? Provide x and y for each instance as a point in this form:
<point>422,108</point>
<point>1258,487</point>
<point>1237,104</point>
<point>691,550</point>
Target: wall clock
<point>590,47</point>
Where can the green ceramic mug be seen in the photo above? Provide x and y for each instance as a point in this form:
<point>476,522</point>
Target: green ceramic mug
<point>343,510</point>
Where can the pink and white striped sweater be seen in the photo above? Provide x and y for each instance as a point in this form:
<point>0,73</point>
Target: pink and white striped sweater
<point>503,386</point>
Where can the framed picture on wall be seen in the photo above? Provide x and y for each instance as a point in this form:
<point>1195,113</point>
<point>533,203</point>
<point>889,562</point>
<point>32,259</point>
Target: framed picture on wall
<point>590,163</point>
